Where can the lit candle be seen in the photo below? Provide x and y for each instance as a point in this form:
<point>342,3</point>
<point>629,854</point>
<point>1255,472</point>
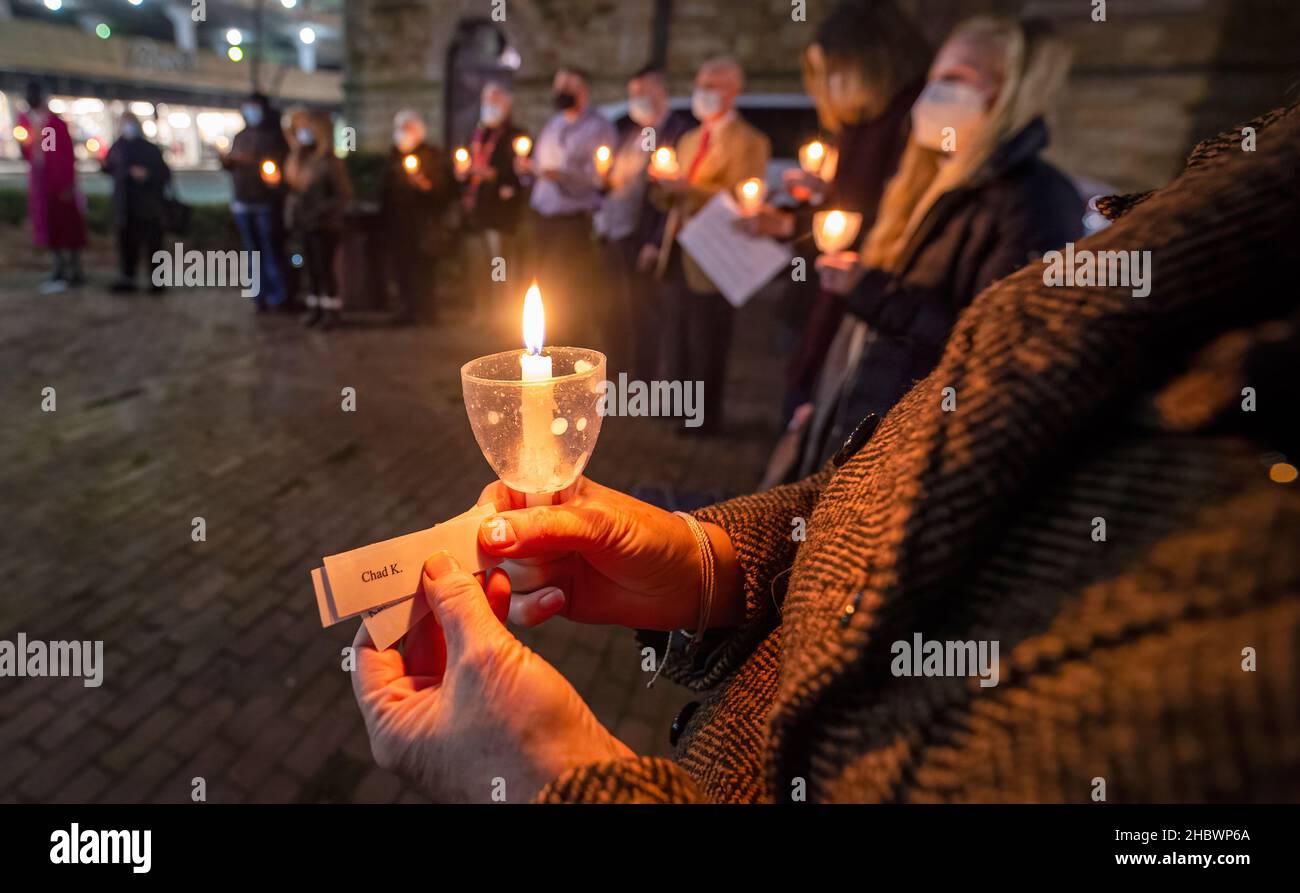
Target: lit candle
<point>750,194</point>
<point>21,133</point>
<point>411,163</point>
<point>835,230</point>
<point>522,145</point>
<point>664,162</point>
<point>460,161</point>
<point>270,172</point>
<point>811,157</point>
<point>604,159</point>
<point>537,450</point>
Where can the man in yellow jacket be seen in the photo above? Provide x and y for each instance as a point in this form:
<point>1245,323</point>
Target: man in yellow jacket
<point>718,155</point>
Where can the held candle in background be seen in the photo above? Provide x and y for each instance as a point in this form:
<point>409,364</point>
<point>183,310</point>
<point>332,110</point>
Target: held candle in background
<point>812,156</point>
<point>411,163</point>
<point>460,161</point>
<point>750,195</point>
<point>522,145</point>
<point>21,133</point>
<point>664,162</point>
<point>270,173</point>
<point>604,159</point>
<point>537,449</point>
<point>834,231</point>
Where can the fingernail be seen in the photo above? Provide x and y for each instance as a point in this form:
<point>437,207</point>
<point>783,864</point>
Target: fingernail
<point>551,600</point>
<point>497,532</point>
<point>440,563</point>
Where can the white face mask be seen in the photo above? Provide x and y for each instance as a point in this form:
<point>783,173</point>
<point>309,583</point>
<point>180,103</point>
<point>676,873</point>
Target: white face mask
<point>642,111</point>
<point>306,137</point>
<point>406,138</point>
<point>706,104</point>
<point>944,104</point>
<point>491,114</point>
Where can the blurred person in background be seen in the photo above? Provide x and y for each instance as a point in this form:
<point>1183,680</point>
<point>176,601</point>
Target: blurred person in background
<point>566,192</point>
<point>864,71</point>
<point>631,227</point>
<point>414,196</point>
<point>971,203</point>
<point>319,193</point>
<point>256,163</point>
<point>714,157</point>
<point>140,180</point>
<point>493,200</point>
<point>54,203</point>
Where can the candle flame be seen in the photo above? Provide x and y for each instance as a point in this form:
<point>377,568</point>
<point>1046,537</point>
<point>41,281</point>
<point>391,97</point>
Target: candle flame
<point>411,163</point>
<point>816,150</point>
<point>750,188</point>
<point>812,156</point>
<point>665,158</point>
<point>21,133</point>
<point>268,168</point>
<point>602,154</point>
<point>834,224</point>
<point>534,320</point>
<point>523,145</point>
<point>461,156</point>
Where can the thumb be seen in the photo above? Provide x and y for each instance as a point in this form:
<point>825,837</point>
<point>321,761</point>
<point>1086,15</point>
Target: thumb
<point>528,533</point>
<point>459,603</point>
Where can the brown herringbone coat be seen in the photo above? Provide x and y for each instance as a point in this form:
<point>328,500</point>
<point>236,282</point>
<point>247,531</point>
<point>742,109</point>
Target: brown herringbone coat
<point>1120,660</point>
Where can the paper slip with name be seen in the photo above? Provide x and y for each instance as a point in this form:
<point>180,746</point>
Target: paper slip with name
<point>381,582</point>
<point>739,264</point>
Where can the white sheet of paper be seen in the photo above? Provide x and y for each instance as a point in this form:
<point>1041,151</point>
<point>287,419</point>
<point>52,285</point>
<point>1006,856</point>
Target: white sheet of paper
<point>739,264</point>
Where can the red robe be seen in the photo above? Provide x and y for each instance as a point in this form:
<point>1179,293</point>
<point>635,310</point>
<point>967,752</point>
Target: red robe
<point>54,204</point>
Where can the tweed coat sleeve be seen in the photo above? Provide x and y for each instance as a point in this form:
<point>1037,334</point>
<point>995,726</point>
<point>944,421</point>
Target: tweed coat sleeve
<point>765,531</point>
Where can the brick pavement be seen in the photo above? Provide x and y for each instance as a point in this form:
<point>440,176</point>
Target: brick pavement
<point>216,665</point>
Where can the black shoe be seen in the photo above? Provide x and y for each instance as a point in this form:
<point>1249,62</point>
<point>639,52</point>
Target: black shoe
<point>313,317</point>
<point>76,279</point>
<point>122,287</point>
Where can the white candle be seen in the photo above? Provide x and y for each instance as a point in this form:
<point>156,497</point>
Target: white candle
<point>537,447</point>
<point>811,157</point>
<point>750,194</point>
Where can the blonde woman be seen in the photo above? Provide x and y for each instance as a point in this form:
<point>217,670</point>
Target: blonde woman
<point>319,192</point>
<point>971,202</point>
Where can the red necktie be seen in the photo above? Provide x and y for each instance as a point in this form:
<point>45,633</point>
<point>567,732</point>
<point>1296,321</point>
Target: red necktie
<point>699,156</point>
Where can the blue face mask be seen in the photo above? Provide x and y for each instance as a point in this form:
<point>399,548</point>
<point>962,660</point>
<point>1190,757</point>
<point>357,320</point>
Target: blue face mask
<point>130,131</point>
<point>305,136</point>
<point>252,115</point>
<point>491,114</point>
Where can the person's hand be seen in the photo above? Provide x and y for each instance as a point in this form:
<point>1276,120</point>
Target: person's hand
<point>486,707</point>
<point>840,272</point>
<point>552,173</point>
<point>483,172</point>
<point>769,221</point>
<point>648,258</point>
<point>138,172</point>
<point>802,186</point>
<point>677,185</point>
<point>603,557</point>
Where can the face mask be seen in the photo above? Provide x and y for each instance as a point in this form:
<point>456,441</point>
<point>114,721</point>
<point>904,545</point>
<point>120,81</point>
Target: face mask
<point>706,104</point>
<point>130,131</point>
<point>305,136</point>
<point>944,104</point>
<point>252,115</point>
<point>491,114</point>
<point>642,111</point>
<point>564,100</point>
<point>405,140</point>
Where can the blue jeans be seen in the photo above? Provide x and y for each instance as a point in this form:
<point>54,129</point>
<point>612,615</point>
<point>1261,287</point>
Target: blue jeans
<point>257,229</point>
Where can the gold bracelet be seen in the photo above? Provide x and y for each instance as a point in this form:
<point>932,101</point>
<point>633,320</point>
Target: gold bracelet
<point>708,571</point>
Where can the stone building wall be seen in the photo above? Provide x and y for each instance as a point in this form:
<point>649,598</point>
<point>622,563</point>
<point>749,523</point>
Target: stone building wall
<point>1148,83</point>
